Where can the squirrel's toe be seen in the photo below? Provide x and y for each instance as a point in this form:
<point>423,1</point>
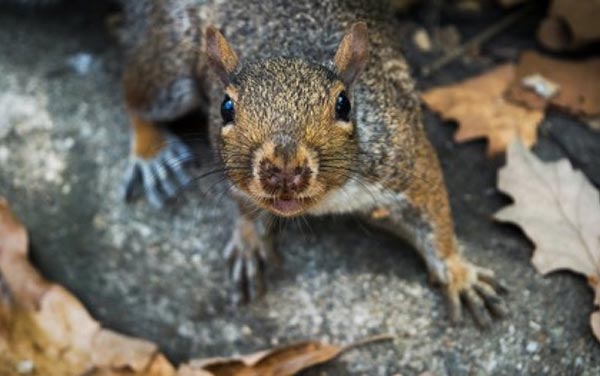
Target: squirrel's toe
<point>478,290</point>
<point>162,176</point>
<point>246,273</point>
<point>477,308</point>
<point>247,258</point>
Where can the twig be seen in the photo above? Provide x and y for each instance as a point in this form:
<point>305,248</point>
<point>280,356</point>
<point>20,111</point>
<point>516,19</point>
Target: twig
<point>486,35</point>
<point>366,341</point>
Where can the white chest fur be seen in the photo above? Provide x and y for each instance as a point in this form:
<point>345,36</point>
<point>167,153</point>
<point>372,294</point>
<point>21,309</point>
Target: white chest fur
<point>355,196</point>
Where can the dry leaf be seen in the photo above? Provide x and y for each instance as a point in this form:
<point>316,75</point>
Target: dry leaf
<point>283,361</point>
<point>46,330</point>
<point>578,84</point>
<point>45,327</point>
<point>559,210</point>
<point>478,105</point>
<point>570,24</point>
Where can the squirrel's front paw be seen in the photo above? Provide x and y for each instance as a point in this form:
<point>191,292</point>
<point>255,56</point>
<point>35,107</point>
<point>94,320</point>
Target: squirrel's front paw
<point>161,176</point>
<point>475,287</point>
<point>247,253</point>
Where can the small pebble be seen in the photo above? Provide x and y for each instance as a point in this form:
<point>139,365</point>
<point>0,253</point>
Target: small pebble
<point>557,334</point>
<point>534,326</point>
<point>4,153</point>
<point>532,347</point>
<point>81,62</point>
<point>422,40</point>
<point>246,330</point>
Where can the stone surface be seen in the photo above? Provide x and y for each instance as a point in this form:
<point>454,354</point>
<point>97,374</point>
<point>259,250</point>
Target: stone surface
<point>159,274</point>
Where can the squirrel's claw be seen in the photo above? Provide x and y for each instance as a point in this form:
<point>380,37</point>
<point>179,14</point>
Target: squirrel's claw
<point>247,254</point>
<point>476,288</point>
<point>161,176</point>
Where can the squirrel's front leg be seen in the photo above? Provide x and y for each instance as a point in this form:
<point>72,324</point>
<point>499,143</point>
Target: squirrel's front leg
<point>249,250</point>
<point>421,214</point>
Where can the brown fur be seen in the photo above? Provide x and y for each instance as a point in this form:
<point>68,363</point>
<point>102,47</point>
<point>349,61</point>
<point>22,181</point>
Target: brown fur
<point>148,140</point>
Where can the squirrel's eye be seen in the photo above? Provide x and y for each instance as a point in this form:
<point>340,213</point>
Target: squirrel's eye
<point>342,107</point>
<point>227,110</point>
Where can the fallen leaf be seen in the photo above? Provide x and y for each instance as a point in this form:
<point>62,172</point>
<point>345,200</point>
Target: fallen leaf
<point>283,361</point>
<point>478,105</point>
<point>45,330</point>
<point>570,24</point>
<point>44,326</point>
<point>578,84</point>
<point>559,210</point>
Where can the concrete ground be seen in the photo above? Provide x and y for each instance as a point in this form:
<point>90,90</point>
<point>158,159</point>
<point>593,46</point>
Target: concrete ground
<point>159,274</point>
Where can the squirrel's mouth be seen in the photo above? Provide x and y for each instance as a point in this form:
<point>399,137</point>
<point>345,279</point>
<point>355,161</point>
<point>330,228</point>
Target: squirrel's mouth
<point>287,206</point>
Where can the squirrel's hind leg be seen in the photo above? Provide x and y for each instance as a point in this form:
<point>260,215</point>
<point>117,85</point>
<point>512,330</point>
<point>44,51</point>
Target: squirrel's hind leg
<point>161,84</point>
<point>421,214</point>
<point>157,160</point>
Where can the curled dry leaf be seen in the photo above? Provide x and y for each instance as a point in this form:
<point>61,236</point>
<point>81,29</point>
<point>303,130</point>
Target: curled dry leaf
<point>283,361</point>
<point>578,84</point>
<point>45,326</point>
<point>478,105</point>
<point>559,210</point>
<point>570,24</point>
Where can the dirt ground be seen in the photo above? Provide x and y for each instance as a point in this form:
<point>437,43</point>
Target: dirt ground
<point>159,274</point>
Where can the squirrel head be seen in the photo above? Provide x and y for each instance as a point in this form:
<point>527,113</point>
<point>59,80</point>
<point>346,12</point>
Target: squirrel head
<point>288,134</point>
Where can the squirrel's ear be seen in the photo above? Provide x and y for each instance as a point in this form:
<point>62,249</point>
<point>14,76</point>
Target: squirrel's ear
<point>221,56</point>
<point>352,54</point>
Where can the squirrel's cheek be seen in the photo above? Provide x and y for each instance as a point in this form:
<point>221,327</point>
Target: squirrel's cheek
<point>345,126</point>
<point>226,130</point>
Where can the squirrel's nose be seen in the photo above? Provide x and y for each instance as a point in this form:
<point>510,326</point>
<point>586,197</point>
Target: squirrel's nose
<point>283,179</point>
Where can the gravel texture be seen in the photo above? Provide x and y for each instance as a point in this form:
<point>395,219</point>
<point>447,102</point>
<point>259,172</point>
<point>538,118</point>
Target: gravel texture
<point>159,274</point>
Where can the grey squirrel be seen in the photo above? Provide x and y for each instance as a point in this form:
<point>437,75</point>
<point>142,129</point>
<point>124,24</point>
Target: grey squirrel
<point>312,111</point>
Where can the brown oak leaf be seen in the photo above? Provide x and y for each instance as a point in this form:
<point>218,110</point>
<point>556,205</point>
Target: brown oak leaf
<point>570,24</point>
<point>478,105</point>
<point>559,210</point>
<point>578,84</point>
